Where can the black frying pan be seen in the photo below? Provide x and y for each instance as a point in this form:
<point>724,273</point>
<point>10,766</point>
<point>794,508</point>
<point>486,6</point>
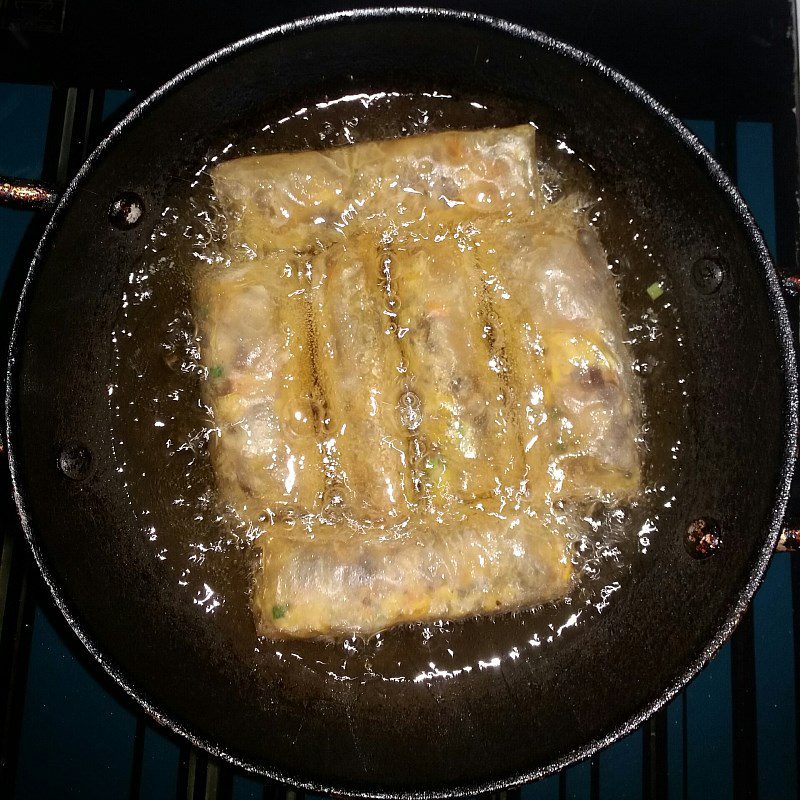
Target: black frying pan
<point>491,727</point>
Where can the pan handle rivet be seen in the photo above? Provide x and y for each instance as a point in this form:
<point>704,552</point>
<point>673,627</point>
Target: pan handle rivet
<point>703,537</point>
<point>75,461</point>
<point>707,275</point>
<point>126,211</point>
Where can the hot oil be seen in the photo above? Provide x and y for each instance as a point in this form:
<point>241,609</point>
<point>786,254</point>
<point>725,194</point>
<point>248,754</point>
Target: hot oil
<point>164,429</point>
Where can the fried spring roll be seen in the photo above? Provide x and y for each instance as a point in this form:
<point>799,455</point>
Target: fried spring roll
<point>518,348</point>
<point>553,291</point>
<point>255,346</point>
<point>305,200</point>
<point>359,587</point>
<point>472,451</point>
<point>358,361</point>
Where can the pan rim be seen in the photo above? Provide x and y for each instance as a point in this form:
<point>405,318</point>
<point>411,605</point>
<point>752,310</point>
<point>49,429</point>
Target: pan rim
<point>780,320</point>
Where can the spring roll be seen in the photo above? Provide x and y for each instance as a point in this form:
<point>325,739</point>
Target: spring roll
<point>305,200</point>
<point>254,332</point>
<point>358,361</point>
<point>471,449</point>
<point>554,294</point>
<point>480,565</point>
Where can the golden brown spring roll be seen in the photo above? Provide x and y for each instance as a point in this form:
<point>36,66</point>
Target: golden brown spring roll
<point>479,565</point>
<point>305,200</point>
<point>254,332</point>
<point>552,290</point>
<point>358,362</point>
<point>472,449</point>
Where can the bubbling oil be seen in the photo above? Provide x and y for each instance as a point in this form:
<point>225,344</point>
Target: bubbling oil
<point>164,429</point>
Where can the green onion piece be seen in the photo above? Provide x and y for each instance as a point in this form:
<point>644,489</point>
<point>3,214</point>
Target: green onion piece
<point>655,290</point>
<point>279,611</point>
<point>215,372</point>
<point>435,467</point>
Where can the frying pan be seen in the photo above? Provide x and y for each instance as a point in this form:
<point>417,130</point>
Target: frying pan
<point>371,737</point>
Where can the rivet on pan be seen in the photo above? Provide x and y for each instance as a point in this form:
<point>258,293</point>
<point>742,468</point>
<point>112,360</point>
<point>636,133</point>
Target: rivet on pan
<point>703,537</point>
<point>707,275</point>
<point>126,210</point>
<point>75,461</point>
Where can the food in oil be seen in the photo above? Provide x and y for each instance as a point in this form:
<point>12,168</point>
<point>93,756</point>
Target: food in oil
<point>164,434</point>
<point>417,368</point>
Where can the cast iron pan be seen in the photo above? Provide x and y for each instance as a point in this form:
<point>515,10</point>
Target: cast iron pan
<point>493,727</point>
